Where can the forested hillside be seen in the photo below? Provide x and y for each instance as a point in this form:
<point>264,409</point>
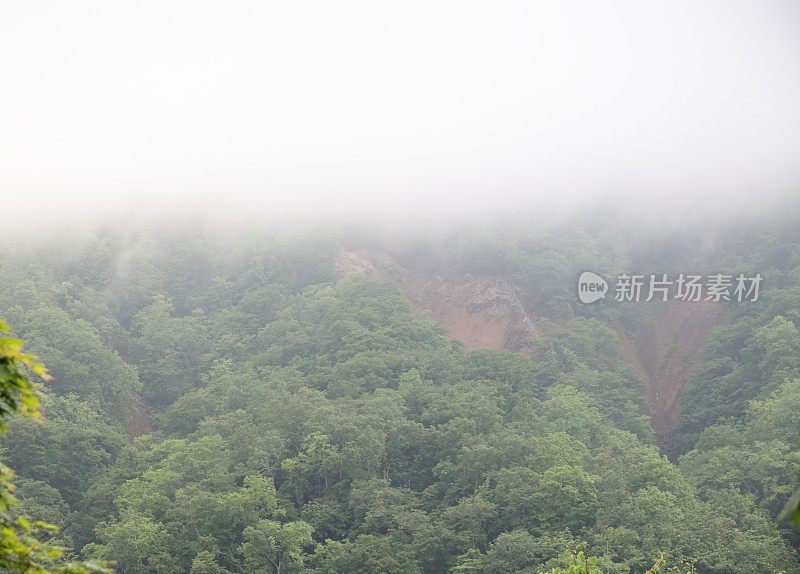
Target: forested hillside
<point>267,402</point>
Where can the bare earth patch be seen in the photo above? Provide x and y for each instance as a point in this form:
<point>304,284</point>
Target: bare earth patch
<point>664,348</point>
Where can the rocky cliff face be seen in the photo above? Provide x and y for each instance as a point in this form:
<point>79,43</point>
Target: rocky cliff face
<point>479,311</point>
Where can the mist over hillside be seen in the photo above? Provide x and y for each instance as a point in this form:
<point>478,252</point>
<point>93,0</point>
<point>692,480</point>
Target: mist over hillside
<point>399,288</point>
<point>356,398</point>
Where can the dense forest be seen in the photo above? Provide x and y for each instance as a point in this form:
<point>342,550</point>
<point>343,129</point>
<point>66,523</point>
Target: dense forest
<point>256,402</point>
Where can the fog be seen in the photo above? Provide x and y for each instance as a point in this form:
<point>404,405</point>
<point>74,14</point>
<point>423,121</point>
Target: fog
<point>394,112</point>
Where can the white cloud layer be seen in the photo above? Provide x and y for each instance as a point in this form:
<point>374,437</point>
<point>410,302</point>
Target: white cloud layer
<point>409,108</point>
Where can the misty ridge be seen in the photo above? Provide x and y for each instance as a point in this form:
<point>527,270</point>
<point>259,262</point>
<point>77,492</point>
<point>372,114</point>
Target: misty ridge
<point>418,288</point>
<point>433,113</point>
<point>408,398</point>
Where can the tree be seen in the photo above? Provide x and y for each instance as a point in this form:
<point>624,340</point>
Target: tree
<point>578,563</point>
<point>21,548</point>
<point>270,546</point>
<point>367,554</point>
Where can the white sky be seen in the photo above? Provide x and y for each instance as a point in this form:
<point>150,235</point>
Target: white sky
<point>404,107</point>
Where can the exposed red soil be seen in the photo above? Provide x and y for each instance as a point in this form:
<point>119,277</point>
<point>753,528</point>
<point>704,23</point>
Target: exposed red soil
<point>664,348</point>
<point>139,424</point>
<point>480,312</point>
<point>476,329</point>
